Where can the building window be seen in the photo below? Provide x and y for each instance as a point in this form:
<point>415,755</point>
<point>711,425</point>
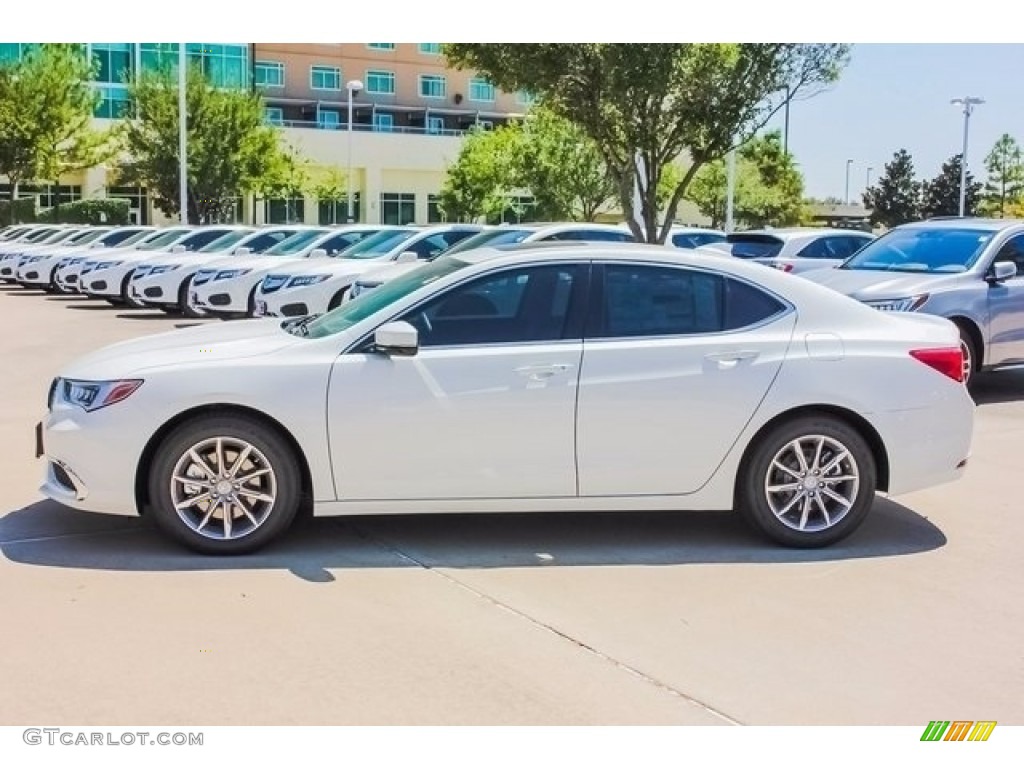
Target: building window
<point>434,213</point>
<point>114,102</point>
<point>224,66</point>
<point>284,210</point>
<point>336,211</point>
<point>138,202</point>
<point>380,81</point>
<point>430,49</point>
<point>11,52</point>
<point>480,89</point>
<point>269,74</point>
<point>397,208</point>
<point>525,98</point>
<point>273,115</point>
<point>329,118</point>
<point>435,125</point>
<point>518,208</point>
<point>381,46</point>
<point>383,121</point>
<point>485,125</point>
<point>325,78</point>
<point>433,86</point>
<point>114,62</point>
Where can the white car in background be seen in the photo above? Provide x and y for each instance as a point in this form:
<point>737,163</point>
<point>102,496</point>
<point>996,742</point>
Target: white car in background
<point>227,289</point>
<point>164,282</point>
<point>39,271</point>
<point>798,249</point>
<point>108,277</point>
<point>39,241</point>
<point>476,384</point>
<point>68,276</point>
<point>321,285</point>
<point>492,237</point>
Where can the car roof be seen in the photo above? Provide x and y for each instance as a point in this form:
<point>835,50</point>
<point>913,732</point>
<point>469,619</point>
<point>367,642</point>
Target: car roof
<point>966,222</point>
<point>791,233</point>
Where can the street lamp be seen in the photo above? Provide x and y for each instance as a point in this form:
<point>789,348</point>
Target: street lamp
<point>353,87</point>
<point>867,184</point>
<point>968,103</point>
<point>848,164</point>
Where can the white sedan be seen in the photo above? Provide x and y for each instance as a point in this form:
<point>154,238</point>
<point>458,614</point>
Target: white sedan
<point>573,378</point>
<point>40,270</point>
<point>69,275</point>
<point>321,285</point>
<point>227,289</point>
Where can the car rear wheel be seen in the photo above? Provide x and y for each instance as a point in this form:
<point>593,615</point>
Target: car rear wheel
<point>809,482</point>
<point>970,352</point>
<point>224,485</point>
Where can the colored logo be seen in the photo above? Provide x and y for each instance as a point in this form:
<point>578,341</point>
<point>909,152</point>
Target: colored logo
<point>958,730</point>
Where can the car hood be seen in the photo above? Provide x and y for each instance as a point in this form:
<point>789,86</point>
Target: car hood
<point>390,272</point>
<point>256,262</point>
<point>208,343</point>
<point>869,284</point>
<point>333,267</point>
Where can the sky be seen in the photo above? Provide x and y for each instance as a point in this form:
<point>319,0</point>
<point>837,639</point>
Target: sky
<point>897,96</point>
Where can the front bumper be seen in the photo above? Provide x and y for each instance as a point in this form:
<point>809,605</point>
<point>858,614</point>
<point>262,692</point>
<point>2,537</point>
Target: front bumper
<point>105,283</point>
<point>224,297</point>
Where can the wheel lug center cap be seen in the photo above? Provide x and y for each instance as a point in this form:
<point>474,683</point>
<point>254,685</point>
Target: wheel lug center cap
<point>810,483</point>
<point>224,488</point>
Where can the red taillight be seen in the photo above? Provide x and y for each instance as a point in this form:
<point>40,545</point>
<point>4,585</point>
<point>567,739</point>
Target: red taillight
<point>947,360</point>
<point>784,267</point>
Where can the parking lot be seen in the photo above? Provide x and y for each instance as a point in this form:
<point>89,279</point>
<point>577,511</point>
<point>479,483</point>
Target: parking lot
<point>651,618</point>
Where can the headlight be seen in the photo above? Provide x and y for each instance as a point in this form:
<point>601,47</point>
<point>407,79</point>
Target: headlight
<point>226,274</point>
<point>93,395</point>
<point>906,304</point>
<point>165,268</point>
<point>106,265</point>
<point>301,280</point>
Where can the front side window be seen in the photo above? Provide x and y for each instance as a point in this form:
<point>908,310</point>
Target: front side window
<point>1013,251</point>
<point>325,78</point>
<point>517,305</point>
<point>380,81</point>
<point>922,249</point>
<point>640,300</point>
<point>480,89</point>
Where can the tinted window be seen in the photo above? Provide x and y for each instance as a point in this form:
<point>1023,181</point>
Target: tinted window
<point>753,246</point>
<point>640,300</point>
<point>824,248</point>
<point>199,239</point>
<point>854,244</point>
<point>345,240</point>
<point>1013,250</point>
<point>490,238</point>
<point>593,236</point>
<point>516,305</point>
<point>116,238</point>
<point>295,243</point>
<point>922,249</point>
<point>261,242</point>
<point>435,245</point>
<point>695,239</point>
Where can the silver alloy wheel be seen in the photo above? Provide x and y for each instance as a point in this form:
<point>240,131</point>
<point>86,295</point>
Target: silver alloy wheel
<point>965,348</point>
<point>223,488</point>
<point>812,483</point>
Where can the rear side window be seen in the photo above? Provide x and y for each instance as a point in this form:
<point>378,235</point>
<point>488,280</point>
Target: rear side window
<point>642,300</point>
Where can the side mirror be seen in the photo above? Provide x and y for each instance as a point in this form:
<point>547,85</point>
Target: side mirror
<point>399,338</point>
<point>1001,271</point>
<point>243,251</point>
<point>406,256</point>
<point>317,253</point>
<point>177,249</point>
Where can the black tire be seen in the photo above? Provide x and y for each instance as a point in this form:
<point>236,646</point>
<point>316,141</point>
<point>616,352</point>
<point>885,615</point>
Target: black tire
<point>250,305</point>
<point>972,359</point>
<point>183,305</point>
<point>126,296</point>
<point>282,484</point>
<point>758,473</point>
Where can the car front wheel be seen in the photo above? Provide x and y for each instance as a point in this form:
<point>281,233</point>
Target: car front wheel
<point>808,483</point>
<point>224,485</point>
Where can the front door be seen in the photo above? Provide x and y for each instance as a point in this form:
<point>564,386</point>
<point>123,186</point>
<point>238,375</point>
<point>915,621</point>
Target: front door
<point>486,409</point>
<point>1006,308</point>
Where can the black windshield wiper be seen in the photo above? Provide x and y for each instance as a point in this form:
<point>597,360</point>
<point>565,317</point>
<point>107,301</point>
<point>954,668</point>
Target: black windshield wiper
<point>301,326</point>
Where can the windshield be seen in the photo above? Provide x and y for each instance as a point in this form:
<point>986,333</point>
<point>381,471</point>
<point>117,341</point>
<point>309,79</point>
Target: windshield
<point>87,236</point>
<point>58,237</point>
<point>125,237</point>
<point>492,237</point>
<point>379,244</point>
<point>751,246</point>
<point>224,242</point>
<point>922,249</point>
<point>162,239</point>
<point>371,302</point>
<point>295,243</point>
<point>38,237</point>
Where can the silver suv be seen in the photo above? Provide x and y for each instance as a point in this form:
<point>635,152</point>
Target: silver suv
<point>970,271</point>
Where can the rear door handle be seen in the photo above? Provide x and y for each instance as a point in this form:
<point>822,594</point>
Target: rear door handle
<point>539,372</point>
<point>732,356</point>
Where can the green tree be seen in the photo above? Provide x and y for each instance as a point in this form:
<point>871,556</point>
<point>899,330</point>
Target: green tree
<point>896,197</point>
<point>481,180</point>
<point>941,195</point>
<point>560,167</point>
<point>46,110</point>
<point>332,189</point>
<point>230,150</point>
<point>657,102</point>
<point>768,187</point>
<point>286,178</point>
<point>1005,168</point>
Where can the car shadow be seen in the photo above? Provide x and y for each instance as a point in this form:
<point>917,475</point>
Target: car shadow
<point>144,314</point>
<point>49,534</point>
<point>18,290</point>
<point>999,387</point>
<point>95,304</point>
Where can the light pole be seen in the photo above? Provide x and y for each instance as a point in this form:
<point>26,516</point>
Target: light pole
<point>847,197</point>
<point>867,183</point>
<point>968,103</point>
<point>353,87</point>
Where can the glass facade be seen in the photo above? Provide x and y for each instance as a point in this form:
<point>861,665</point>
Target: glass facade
<point>284,210</point>
<point>336,211</point>
<point>397,208</point>
<point>225,66</point>
<point>434,213</point>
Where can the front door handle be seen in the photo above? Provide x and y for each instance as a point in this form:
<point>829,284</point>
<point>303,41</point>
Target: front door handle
<point>540,372</point>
